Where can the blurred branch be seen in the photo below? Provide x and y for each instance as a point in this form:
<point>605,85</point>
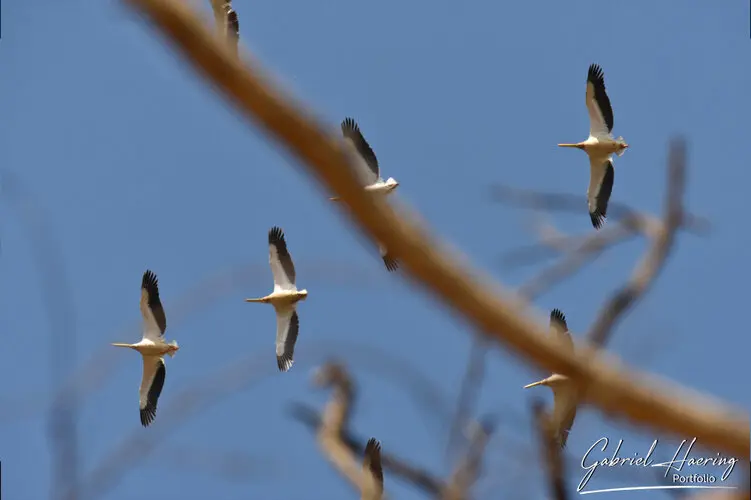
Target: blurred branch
<point>330,434</point>
<point>650,266</point>
<point>469,391</point>
<point>338,445</point>
<point>573,203</point>
<point>469,467</point>
<point>604,381</point>
<point>57,300</point>
<point>584,253</point>
<point>551,452</point>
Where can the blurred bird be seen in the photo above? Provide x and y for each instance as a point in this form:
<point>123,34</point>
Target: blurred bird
<point>284,298</point>
<point>599,146</point>
<point>152,347</point>
<point>371,466</point>
<point>367,170</point>
<point>565,395</point>
<point>226,22</point>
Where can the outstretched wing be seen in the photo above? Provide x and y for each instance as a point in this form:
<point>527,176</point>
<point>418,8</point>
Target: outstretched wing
<point>287,328</point>
<point>367,162</point>
<point>598,104</point>
<point>564,411</point>
<point>154,320</point>
<point>152,382</point>
<point>559,327</point>
<point>388,259</point>
<point>601,177</point>
<point>280,260</point>
<point>372,465</point>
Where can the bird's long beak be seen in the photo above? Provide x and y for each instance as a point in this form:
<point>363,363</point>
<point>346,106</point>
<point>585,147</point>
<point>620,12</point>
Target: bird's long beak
<point>253,300</point>
<point>566,145</point>
<point>541,382</point>
<point>121,345</point>
<point>335,198</point>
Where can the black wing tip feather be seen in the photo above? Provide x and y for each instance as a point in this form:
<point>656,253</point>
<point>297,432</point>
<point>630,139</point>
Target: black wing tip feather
<point>373,459</point>
<point>276,236</point>
<point>598,219</point>
<point>373,445</point>
<point>349,125</point>
<point>595,74</point>
<point>284,362</point>
<point>150,281</point>
<point>391,264</point>
<point>148,415</point>
<point>557,316</point>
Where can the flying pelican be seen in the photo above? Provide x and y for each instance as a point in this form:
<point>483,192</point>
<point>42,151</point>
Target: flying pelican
<point>371,465</point>
<point>226,21</point>
<point>284,298</point>
<point>564,391</point>
<point>599,146</point>
<point>152,347</point>
<point>366,168</point>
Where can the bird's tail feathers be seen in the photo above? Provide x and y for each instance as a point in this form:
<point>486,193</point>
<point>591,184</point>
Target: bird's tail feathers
<point>173,344</point>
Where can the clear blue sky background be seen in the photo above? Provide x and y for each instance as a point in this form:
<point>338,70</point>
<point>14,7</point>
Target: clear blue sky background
<point>138,164</point>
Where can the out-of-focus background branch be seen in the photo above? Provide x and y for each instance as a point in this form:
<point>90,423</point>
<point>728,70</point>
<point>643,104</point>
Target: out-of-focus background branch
<point>216,416</point>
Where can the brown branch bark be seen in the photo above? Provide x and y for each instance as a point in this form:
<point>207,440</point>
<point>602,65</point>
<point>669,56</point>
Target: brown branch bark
<point>608,385</point>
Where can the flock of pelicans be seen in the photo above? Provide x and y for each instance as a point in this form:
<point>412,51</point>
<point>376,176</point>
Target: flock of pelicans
<point>599,146</point>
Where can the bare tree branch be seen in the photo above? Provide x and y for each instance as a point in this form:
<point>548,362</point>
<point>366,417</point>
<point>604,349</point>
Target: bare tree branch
<point>469,467</point>
<point>394,465</point>
<point>653,262</point>
<point>606,384</point>
<point>469,392</point>
<point>551,452</point>
<point>574,203</point>
<point>57,300</point>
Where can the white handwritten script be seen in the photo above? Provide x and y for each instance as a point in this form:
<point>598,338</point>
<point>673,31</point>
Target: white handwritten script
<point>591,464</point>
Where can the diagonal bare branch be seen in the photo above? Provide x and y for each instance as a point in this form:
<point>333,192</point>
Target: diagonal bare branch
<point>652,263</point>
<point>500,315</point>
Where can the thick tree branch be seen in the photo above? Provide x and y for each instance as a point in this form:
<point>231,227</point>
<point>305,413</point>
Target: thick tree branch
<point>505,317</point>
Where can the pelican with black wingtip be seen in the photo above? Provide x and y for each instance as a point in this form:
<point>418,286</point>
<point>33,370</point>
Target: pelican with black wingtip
<point>152,347</point>
<point>599,146</point>
<point>371,466</point>
<point>284,298</point>
<point>565,396</point>
<point>368,171</point>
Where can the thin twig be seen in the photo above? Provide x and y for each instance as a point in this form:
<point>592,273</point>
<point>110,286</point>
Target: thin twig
<point>505,317</point>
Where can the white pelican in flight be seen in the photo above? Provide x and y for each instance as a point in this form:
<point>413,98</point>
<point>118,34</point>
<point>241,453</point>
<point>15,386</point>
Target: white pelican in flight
<point>371,465</point>
<point>599,146</point>
<point>152,347</point>
<point>284,298</point>
<point>366,167</point>
<point>226,21</point>
<point>564,391</point>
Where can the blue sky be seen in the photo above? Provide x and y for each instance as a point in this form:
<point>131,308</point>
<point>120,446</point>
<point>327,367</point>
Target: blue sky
<point>135,163</point>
